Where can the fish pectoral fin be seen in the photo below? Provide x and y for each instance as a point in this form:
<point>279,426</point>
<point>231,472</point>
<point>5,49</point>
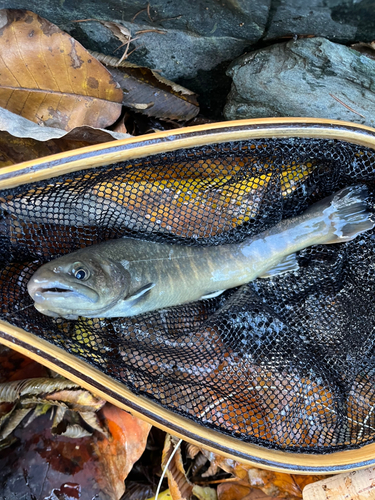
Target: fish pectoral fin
<point>139,293</point>
<point>123,307</point>
<point>212,295</point>
<point>287,264</point>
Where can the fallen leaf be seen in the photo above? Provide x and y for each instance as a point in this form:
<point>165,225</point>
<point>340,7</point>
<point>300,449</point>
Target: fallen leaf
<point>204,492</point>
<point>179,486</point>
<point>49,78</point>
<point>273,484</point>
<point>11,391</point>
<point>164,495</point>
<point>368,49</point>
<point>23,140</point>
<point>234,491</point>
<point>167,199</point>
<point>41,465</point>
<point>78,400</point>
<point>119,453</point>
<point>148,92</point>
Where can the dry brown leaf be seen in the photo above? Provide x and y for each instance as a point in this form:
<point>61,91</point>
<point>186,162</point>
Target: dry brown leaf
<point>79,400</point>
<point>11,391</point>
<point>49,78</point>
<point>23,140</point>
<point>273,484</point>
<point>368,49</point>
<point>128,441</point>
<point>355,485</point>
<point>235,491</point>
<point>179,486</point>
<point>150,93</point>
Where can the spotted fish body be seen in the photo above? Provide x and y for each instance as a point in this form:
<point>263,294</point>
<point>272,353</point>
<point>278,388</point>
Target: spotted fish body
<point>126,277</point>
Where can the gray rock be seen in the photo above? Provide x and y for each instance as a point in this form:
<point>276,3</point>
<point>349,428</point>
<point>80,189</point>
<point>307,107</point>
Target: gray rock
<point>176,54</point>
<point>315,17</point>
<point>306,77</point>
<point>199,34</point>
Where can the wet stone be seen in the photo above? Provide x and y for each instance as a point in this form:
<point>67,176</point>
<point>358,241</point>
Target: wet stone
<point>306,77</point>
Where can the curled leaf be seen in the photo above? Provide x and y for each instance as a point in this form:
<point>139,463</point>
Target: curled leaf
<point>148,92</point>
<point>22,128</point>
<point>49,78</point>
<point>75,431</point>
<point>91,418</point>
<point>14,420</point>
<point>79,400</point>
<point>11,391</point>
<point>179,486</point>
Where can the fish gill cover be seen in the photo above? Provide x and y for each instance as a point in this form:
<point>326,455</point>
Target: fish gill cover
<point>286,362</point>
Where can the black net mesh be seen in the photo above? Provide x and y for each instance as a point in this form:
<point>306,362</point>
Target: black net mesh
<point>286,362</point>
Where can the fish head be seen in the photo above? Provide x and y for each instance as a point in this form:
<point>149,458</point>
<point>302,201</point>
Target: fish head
<point>78,285</point>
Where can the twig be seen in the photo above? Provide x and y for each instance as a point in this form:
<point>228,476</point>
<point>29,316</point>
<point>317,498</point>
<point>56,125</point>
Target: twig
<point>126,43</point>
<point>137,14</point>
<point>85,20</point>
<point>140,32</point>
<point>126,54</point>
<point>156,20</point>
<point>346,106</point>
<point>149,16</point>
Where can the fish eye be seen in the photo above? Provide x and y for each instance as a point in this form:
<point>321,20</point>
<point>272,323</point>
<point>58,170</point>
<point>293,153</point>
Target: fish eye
<point>81,273</point>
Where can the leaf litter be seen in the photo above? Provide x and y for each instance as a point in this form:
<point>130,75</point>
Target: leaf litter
<point>90,444</point>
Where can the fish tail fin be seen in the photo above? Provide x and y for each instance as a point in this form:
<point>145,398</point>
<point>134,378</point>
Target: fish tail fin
<point>349,214</point>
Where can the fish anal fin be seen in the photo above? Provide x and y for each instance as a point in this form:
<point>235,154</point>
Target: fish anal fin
<point>286,265</point>
<point>212,295</point>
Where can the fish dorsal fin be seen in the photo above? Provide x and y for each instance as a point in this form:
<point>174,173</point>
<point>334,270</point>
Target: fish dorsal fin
<point>287,264</point>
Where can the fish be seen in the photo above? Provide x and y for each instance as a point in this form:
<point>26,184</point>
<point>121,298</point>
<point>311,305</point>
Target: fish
<point>139,201</point>
<point>127,276</point>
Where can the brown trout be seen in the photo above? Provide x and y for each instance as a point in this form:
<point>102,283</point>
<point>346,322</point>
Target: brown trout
<point>126,277</point>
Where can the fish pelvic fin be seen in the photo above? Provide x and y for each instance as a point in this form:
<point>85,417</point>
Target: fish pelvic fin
<point>212,295</point>
<point>286,265</point>
<point>349,214</point>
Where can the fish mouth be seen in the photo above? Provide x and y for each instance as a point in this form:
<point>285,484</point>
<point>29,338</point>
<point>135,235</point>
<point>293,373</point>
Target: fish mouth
<point>60,292</point>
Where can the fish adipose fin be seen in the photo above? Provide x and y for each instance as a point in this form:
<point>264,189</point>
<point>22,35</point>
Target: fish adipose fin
<point>349,214</point>
<point>287,264</point>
